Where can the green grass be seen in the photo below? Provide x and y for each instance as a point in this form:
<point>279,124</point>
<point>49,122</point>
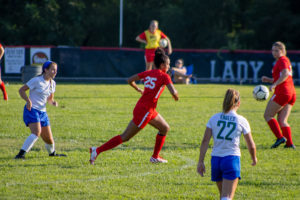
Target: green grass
<point>89,115</point>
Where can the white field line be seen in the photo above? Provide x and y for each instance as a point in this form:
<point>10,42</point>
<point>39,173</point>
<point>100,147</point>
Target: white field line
<point>188,163</point>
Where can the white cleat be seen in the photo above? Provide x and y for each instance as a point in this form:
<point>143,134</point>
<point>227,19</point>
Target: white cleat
<point>94,155</point>
<point>158,160</point>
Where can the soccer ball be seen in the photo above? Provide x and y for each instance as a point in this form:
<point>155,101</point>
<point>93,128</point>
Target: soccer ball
<point>260,93</point>
<point>163,43</point>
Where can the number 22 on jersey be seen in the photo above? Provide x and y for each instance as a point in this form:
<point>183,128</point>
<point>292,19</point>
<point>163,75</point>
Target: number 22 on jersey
<point>150,82</point>
<point>226,130</point>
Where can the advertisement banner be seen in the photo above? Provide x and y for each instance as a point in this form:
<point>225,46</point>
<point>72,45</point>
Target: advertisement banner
<point>14,59</point>
<point>39,55</point>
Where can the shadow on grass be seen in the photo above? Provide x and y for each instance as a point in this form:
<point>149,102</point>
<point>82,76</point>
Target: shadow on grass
<point>266,183</point>
<point>143,148</point>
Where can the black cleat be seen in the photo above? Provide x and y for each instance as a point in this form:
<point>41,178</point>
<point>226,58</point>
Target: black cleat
<point>19,156</point>
<point>278,142</point>
<point>57,155</point>
<point>290,146</point>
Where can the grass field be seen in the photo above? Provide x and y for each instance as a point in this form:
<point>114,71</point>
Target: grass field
<point>89,115</point>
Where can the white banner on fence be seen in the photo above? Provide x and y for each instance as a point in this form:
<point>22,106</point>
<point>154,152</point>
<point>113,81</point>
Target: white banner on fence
<point>14,59</point>
<point>39,55</point>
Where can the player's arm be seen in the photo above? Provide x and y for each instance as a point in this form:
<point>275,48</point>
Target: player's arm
<point>131,81</point>
<point>181,71</point>
<point>203,150</point>
<point>1,52</point>
<point>173,91</point>
<point>51,100</point>
<point>140,39</point>
<point>267,79</point>
<point>284,74</point>
<point>251,147</point>
<point>23,95</point>
<point>170,50</point>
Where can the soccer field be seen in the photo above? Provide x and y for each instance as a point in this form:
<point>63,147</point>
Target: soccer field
<point>89,115</point>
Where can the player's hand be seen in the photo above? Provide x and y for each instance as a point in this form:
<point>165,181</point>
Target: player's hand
<point>140,91</point>
<point>272,87</point>
<point>54,103</point>
<point>201,168</point>
<point>254,162</point>
<point>175,96</point>
<point>29,105</point>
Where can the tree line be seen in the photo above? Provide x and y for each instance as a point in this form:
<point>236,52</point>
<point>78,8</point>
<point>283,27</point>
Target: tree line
<point>199,24</point>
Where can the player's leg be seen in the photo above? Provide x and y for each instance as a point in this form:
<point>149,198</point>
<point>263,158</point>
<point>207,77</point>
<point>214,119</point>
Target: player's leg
<point>35,129</point>
<point>231,172</point>
<point>282,117</point>
<point>216,172</point>
<point>149,66</point>
<point>163,127</point>
<point>129,132</point>
<point>149,58</point>
<point>271,110</point>
<point>2,87</point>
<point>219,185</point>
<point>47,136</point>
<point>228,188</point>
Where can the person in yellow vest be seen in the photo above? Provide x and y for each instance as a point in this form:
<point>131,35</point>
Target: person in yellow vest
<point>151,38</point>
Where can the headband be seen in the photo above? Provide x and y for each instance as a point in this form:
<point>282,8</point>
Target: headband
<point>46,64</point>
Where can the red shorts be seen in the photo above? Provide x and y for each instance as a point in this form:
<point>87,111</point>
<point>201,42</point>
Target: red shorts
<point>142,116</point>
<point>149,55</point>
<point>283,99</point>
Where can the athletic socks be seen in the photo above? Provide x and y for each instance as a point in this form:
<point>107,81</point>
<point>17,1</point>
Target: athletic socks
<point>274,126</point>
<point>50,148</point>
<point>2,87</point>
<point>112,143</point>
<point>160,140</point>
<point>29,142</point>
<point>225,198</point>
<point>287,133</point>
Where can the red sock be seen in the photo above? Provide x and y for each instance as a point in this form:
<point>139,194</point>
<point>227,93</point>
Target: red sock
<point>112,143</point>
<point>160,140</point>
<point>2,87</point>
<point>287,133</point>
<point>273,124</point>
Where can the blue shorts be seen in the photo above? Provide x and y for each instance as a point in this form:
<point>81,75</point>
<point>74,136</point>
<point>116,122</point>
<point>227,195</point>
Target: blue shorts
<point>35,116</point>
<point>228,167</point>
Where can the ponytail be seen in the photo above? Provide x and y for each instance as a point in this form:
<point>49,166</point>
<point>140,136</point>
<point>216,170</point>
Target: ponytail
<point>232,97</point>
<point>160,57</point>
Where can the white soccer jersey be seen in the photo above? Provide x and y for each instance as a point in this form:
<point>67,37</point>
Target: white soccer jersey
<point>39,91</point>
<point>226,131</point>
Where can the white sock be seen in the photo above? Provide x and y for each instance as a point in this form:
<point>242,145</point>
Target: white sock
<point>29,142</point>
<point>50,148</point>
<point>225,198</point>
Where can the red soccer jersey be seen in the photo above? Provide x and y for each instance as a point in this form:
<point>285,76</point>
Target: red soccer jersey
<point>287,87</point>
<point>154,81</point>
